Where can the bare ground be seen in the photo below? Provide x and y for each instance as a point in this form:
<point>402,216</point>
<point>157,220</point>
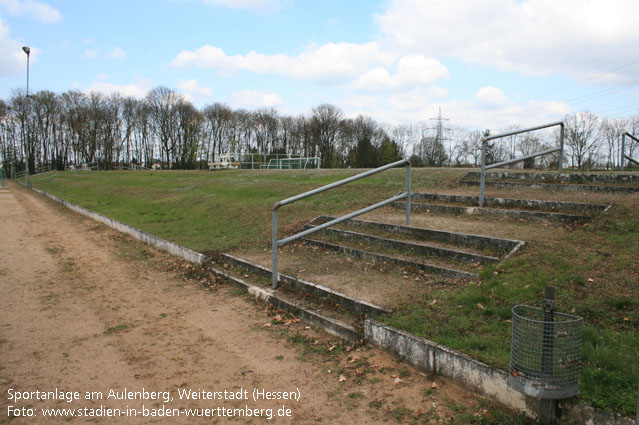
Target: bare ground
<point>86,309</point>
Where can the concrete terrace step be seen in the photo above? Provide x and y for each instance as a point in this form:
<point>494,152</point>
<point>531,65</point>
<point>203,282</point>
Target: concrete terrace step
<point>355,306</point>
<point>337,327</point>
<point>504,247</point>
<point>563,178</point>
<point>511,203</point>
<point>535,209</point>
<point>415,248</point>
<point>494,212</point>
<point>553,186</point>
<point>595,182</point>
<point>359,253</point>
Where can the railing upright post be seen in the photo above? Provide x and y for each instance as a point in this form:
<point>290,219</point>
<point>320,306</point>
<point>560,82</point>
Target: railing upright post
<point>482,176</point>
<point>561,148</point>
<point>623,149</point>
<point>274,250</point>
<point>408,183</point>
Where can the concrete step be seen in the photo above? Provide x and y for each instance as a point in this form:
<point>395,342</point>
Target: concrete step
<point>411,247</point>
<point>510,203</point>
<point>347,329</point>
<point>498,246</point>
<point>553,186</point>
<point>563,178</point>
<point>402,262</point>
<point>355,306</point>
<point>496,212</point>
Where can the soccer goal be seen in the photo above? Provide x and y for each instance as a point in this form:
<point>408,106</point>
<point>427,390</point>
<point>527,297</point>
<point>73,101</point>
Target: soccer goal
<point>293,163</point>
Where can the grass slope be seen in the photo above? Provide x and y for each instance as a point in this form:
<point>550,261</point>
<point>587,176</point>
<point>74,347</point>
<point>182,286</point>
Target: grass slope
<point>594,268</point>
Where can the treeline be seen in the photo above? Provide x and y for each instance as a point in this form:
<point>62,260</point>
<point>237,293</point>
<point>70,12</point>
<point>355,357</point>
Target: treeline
<point>73,128</point>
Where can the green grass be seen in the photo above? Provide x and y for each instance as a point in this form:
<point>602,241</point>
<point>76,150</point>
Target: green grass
<point>594,268</point>
<point>219,211</point>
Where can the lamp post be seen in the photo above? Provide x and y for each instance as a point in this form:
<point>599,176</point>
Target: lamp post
<point>27,50</point>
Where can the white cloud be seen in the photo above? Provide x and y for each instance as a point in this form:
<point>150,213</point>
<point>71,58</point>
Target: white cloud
<point>255,99</point>
<point>138,89</point>
<point>259,6</point>
<point>90,54</point>
<point>329,62</point>
<point>116,53</point>
<point>192,90</point>
<point>12,58</point>
<point>34,9</point>
<point>491,96</point>
<point>412,69</point>
<point>192,86</point>
<point>421,104</point>
<point>535,37</point>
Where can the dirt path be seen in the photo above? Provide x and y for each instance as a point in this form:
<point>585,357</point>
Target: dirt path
<point>85,309</point>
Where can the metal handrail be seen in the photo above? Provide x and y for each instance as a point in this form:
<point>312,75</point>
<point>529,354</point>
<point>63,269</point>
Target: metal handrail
<point>485,140</point>
<point>277,243</point>
<point>623,149</point>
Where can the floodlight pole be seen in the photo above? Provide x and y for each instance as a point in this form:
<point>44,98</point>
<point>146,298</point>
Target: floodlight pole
<point>27,50</point>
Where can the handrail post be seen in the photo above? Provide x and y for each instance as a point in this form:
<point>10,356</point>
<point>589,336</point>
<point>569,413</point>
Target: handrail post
<point>274,249</point>
<point>561,148</point>
<point>408,183</point>
<point>623,150</point>
<point>482,176</point>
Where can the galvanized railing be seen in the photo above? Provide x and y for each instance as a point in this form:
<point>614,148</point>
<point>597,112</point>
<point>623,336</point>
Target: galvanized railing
<point>278,243</point>
<point>485,167</point>
<point>623,151</point>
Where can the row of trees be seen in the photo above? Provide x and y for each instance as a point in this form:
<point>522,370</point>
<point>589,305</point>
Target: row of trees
<point>73,128</point>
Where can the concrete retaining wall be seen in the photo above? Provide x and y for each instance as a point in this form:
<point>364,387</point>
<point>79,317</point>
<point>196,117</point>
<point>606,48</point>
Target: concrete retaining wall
<point>470,373</point>
<point>148,238</point>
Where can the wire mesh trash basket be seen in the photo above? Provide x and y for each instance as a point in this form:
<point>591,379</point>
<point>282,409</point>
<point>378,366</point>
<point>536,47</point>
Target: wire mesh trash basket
<point>545,356</point>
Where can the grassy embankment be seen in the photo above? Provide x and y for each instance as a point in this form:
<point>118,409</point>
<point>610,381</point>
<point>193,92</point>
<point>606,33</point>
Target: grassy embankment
<point>594,268</point>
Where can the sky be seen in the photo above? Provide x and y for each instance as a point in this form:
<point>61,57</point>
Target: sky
<point>483,64</point>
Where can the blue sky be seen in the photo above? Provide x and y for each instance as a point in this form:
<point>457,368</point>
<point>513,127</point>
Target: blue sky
<point>486,64</point>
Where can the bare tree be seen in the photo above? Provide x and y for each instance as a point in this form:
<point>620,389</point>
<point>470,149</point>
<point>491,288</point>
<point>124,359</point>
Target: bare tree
<point>162,102</point>
<point>582,138</point>
<point>325,128</point>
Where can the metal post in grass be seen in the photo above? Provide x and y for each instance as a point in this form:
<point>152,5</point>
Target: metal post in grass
<point>547,347</point>
<point>482,176</point>
<point>408,179</point>
<point>560,166</point>
<point>623,148</point>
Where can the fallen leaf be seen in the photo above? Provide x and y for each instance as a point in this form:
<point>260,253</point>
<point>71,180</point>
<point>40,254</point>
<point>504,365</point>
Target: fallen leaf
<point>267,325</point>
<point>434,385</point>
<point>590,279</point>
<point>433,302</point>
<point>480,306</point>
<point>342,378</point>
<point>397,381</point>
<point>332,347</point>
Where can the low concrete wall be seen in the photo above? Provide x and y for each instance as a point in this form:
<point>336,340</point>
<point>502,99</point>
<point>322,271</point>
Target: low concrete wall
<point>163,244</point>
<point>470,373</point>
